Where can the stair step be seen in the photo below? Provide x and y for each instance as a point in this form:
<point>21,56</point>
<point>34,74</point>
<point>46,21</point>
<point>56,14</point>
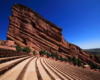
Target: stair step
<point>10,62</point>
<point>43,73</point>
<point>50,71</point>
<point>64,71</point>
<point>30,73</point>
<point>15,71</point>
<point>2,60</point>
<point>57,72</point>
<point>37,68</point>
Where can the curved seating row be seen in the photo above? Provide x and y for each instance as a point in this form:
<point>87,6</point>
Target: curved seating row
<point>38,68</point>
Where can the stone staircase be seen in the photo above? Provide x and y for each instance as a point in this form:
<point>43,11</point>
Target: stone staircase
<point>39,68</point>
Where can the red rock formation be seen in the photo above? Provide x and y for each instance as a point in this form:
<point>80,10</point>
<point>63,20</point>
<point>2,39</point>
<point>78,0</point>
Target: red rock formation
<point>28,28</point>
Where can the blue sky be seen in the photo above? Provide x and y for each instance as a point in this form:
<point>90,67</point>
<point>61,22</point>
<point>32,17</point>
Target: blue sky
<point>79,19</point>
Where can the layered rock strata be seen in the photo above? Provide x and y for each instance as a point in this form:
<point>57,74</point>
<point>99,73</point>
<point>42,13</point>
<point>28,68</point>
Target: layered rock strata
<point>28,28</point>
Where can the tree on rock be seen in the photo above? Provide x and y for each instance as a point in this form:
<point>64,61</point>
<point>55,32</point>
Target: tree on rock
<point>26,49</point>
<point>18,48</point>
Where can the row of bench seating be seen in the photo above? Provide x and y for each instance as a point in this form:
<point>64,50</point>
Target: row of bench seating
<point>10,53</point>
<point>74,72</point>
<point>38,68</point>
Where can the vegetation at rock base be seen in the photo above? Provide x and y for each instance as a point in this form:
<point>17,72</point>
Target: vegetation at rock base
<point>76,61</point>
<point>52,54</point>
<point>34,52</point>
<point>43,52</point>
<point>73,60</point>
<point>64,59</point>
<point>56,56</point>
<point>79,62</point>
<point>18,48</point>
<point>93,65</point>
<point>48,54</point>
<point>69,59</point>
<point>61,58</point>
<point>26,49</point>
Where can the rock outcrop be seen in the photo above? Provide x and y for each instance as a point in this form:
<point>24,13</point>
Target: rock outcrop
<point>28,28</point>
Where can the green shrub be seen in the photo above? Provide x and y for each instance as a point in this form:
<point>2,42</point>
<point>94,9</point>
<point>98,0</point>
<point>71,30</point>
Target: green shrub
<point>18,48</point>
<point>69,59</point>
<point>74,58</point>
<point>43,52</point>
<point>56,56</point>
<point>48,54</point>
<point>65,59</point>
<point>93,65</point>
<point>98,67</point>
<point>34,52</point>
<point>61,58</point>
<point>52,54</point>
<point>75,61</point>
<point>26,49</point>
<point>79,62</point>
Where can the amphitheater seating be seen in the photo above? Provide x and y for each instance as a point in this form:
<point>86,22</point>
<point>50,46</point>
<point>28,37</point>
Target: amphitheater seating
<point>2,60</point>
<point>74,72</point>
<point>38,68</point>
<point>10,53</point>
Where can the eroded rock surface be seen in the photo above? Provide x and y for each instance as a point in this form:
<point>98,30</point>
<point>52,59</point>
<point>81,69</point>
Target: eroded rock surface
<point>28,28</point>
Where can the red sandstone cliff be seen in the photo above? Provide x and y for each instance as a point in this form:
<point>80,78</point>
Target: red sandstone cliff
<point>28,28</point>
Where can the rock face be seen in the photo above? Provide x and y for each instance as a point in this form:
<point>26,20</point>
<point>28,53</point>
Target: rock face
<point>28,28</point>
